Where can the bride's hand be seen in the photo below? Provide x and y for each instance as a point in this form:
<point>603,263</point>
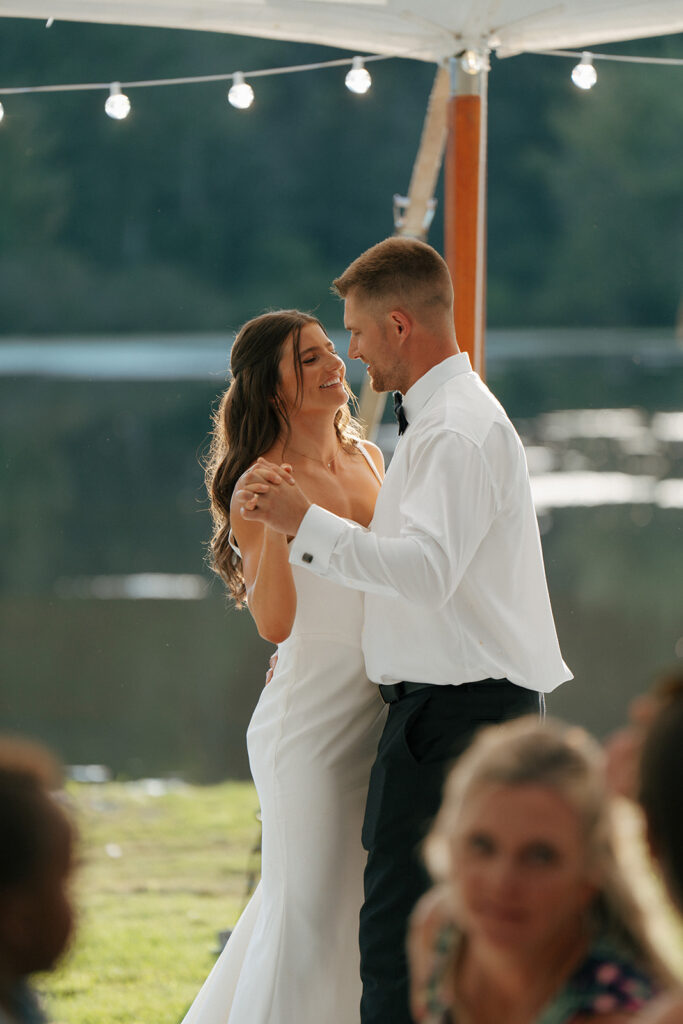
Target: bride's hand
<point>259,478</point>
<point>264,501</point>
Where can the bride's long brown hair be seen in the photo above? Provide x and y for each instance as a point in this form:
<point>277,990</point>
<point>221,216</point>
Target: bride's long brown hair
<point>250,418</point>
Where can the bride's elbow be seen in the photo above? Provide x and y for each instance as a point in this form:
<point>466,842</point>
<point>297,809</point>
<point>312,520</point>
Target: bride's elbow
<point>274,616</point>
<point>275,625</point>
<point>274,633</point>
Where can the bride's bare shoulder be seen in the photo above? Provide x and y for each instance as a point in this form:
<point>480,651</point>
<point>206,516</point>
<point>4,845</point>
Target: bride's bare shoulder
<point>375,454</point>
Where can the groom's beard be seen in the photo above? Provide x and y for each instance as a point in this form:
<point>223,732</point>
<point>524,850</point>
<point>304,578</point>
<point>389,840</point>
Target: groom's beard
<point>378,381</point>
<point>389,376</point>
<point>383,379</point>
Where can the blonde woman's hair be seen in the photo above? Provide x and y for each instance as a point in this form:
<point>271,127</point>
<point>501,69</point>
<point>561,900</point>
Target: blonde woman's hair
<point>565,759</point>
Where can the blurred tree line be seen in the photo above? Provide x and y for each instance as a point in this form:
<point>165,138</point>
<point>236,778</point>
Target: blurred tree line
<point>191,215</point>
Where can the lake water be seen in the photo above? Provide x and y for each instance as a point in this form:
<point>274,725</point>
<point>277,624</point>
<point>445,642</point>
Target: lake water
<point>118,646</point>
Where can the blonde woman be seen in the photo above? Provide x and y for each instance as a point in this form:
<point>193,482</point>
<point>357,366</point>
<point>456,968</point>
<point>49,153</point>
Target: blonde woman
<point>532,921</point>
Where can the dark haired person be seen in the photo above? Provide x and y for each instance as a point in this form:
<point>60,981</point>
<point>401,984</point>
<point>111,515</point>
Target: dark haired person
<point>458,626</point>
<point>36,863</point>
<point>293,957</point>
<point>644,763</point>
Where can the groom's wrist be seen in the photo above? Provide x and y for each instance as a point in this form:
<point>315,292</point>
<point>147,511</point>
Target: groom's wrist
<point>315,539</point>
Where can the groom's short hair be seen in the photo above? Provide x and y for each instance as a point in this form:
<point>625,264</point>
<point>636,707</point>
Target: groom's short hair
<point>401,269</point>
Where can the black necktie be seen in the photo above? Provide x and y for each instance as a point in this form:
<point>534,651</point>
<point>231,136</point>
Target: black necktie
<point>399,413</point>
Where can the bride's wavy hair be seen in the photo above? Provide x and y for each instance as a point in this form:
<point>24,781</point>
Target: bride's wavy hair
<point>249,419</point>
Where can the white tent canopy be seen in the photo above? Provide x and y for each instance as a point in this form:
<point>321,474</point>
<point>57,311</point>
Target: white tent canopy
<point>427,29</point>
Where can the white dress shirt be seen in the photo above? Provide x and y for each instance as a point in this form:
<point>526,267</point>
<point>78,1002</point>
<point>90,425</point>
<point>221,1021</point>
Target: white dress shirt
<point>451,565</point>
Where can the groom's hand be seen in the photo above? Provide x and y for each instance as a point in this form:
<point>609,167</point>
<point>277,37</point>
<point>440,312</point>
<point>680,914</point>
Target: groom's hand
<point>262,499</point>
<point>272,663</point>
<point>258,477</point>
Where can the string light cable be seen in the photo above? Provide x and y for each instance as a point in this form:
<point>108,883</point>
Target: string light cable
<point>584,76</point>
<point>237,77</point>
<point>620,57</point>
<point>358,80</point>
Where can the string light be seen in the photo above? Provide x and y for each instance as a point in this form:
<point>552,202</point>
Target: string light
<point>23,90</point>
<point>118,104</point>
<point>621,58</point>
<point>584,75</point>
<point>358,79</point>
<point>472,62</point>
<point>241,94</point>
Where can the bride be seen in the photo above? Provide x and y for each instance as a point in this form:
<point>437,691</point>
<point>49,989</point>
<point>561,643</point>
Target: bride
<point>293,956</point>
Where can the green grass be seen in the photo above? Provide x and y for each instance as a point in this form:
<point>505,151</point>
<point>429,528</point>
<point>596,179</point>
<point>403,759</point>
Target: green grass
<point>149,918</point>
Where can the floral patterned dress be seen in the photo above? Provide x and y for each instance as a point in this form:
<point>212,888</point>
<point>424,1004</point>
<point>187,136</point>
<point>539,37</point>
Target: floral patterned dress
<point>606,981</point>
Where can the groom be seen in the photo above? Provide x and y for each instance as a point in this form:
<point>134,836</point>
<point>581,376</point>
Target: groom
<point>458,626</point>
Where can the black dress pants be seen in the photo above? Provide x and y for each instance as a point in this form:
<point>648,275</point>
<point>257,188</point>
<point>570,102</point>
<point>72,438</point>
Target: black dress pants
<point>424,733</point>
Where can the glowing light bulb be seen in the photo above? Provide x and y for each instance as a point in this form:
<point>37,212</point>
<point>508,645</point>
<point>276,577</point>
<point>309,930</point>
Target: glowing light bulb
<point>358,78</point>
<point>241,94</point>
<point>584,75</point>
<point>118,104</point>
<point>471,62</point>
<point>2,111</point>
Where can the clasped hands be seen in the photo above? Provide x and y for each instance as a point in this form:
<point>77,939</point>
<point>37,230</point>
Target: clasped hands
<point>269,494</point>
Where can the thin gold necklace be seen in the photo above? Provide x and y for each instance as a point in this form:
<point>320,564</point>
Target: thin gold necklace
<point>312,458</point>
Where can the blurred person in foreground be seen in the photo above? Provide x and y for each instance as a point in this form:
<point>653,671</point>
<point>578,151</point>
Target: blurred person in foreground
<point>645,763</point>
<point>532,921</point>
<point>36,863</point>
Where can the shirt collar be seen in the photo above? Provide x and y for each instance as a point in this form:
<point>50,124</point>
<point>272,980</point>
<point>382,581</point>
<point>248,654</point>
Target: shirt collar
<point>422,390</point>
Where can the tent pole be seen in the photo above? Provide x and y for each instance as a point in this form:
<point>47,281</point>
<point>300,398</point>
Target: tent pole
<point>465,206</point>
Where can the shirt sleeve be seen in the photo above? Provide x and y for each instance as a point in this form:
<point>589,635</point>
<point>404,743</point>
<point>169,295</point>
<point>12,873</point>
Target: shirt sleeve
<point>446,509</point>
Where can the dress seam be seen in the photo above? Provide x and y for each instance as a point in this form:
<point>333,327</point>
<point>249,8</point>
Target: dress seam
<point>278,790</point>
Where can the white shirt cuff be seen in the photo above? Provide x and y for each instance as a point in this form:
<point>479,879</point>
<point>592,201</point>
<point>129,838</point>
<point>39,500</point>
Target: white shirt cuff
<point>316,539</point>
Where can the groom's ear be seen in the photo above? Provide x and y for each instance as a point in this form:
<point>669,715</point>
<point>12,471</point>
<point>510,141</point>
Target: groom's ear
<point>401,324</point>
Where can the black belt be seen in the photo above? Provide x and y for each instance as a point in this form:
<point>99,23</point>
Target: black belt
<point>391,692</point>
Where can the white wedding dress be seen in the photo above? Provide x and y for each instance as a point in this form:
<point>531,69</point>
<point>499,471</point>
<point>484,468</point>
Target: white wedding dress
<point>293,956</point>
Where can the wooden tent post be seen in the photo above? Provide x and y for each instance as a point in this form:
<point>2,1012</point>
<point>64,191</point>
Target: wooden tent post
<point>465,205</point>
<point>413,212</point>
